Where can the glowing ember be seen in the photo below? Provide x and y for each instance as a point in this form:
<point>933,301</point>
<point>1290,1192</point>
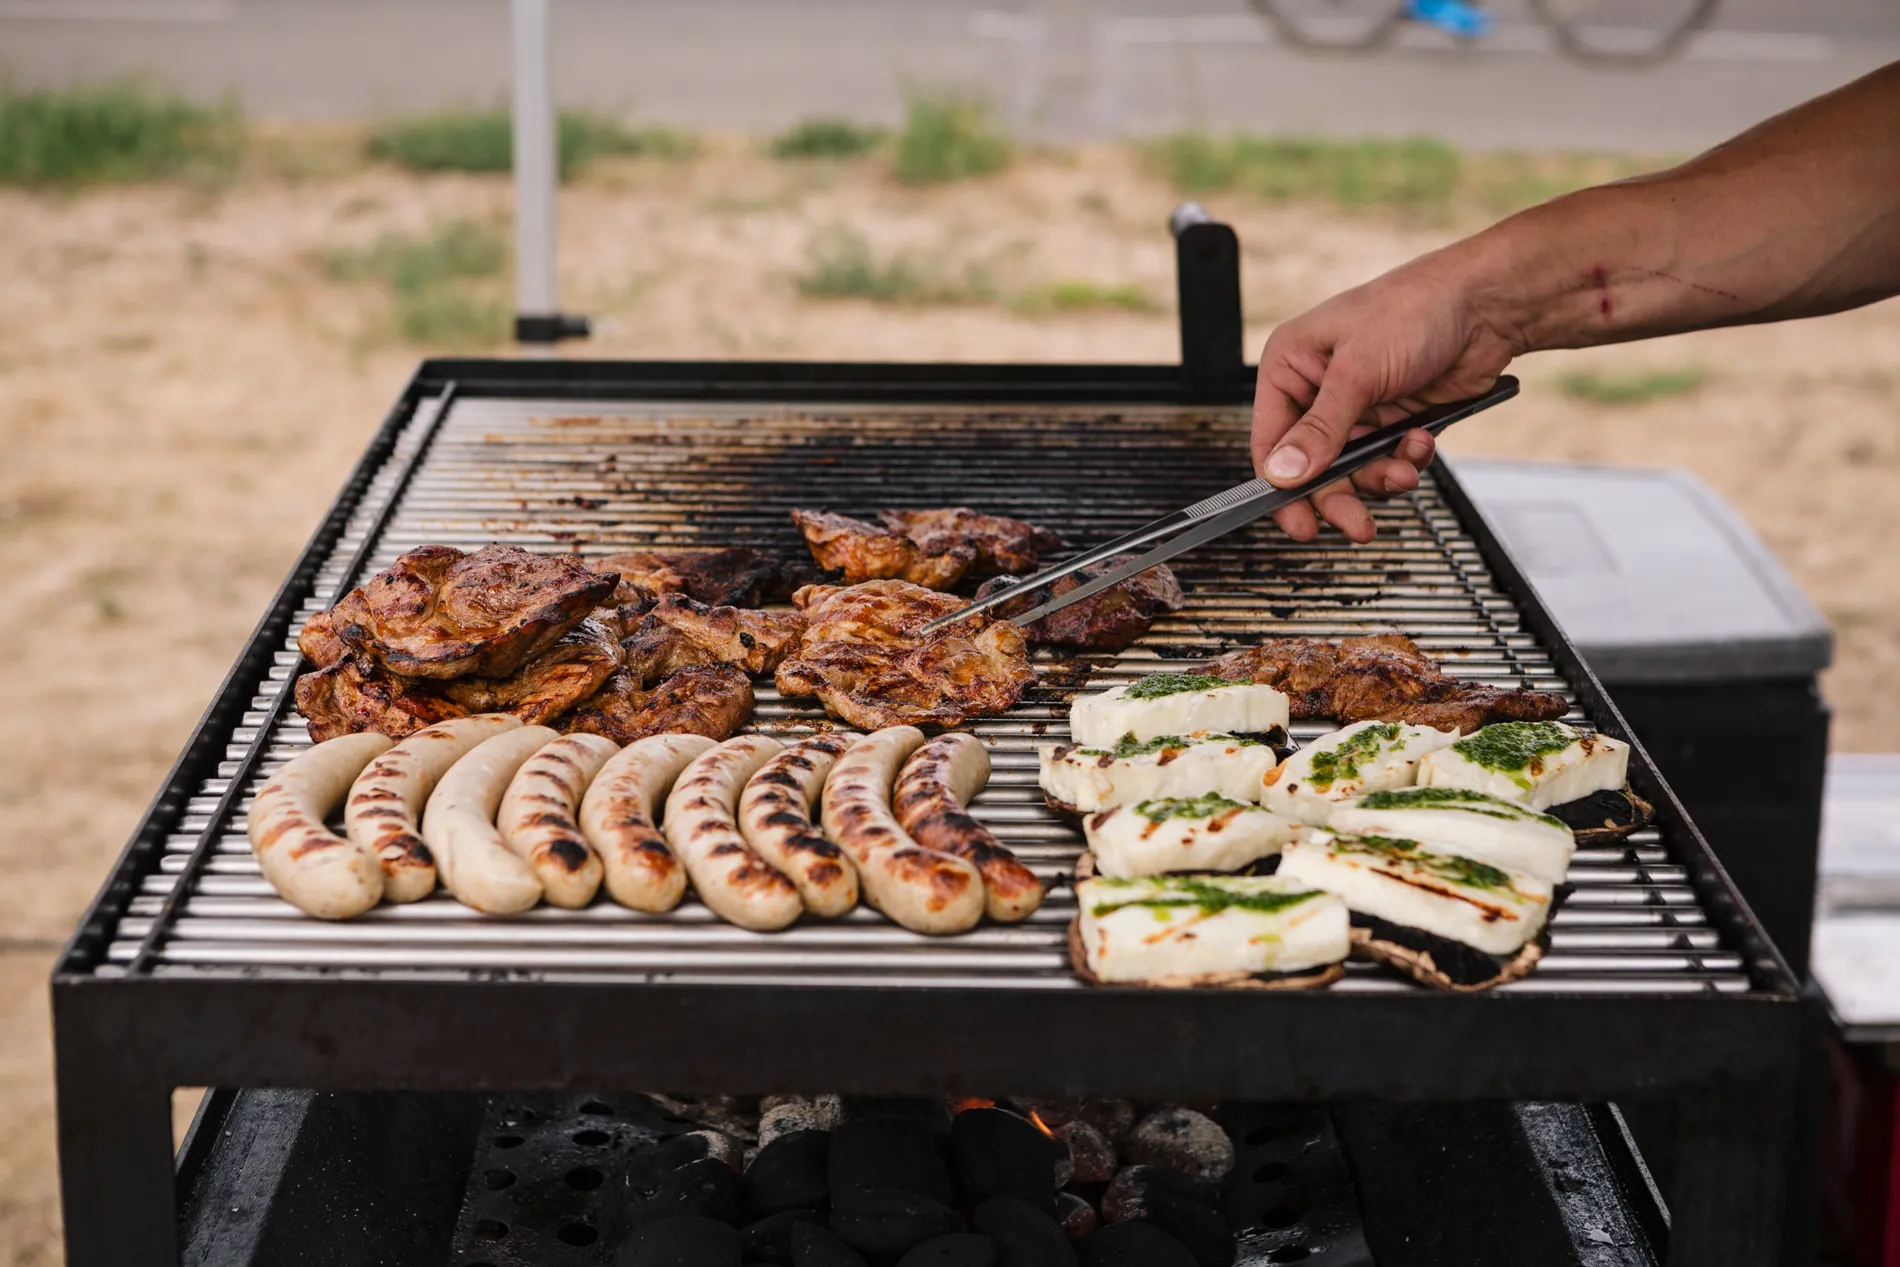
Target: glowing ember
<point>1040,1124</point>
<point>976,1102</point>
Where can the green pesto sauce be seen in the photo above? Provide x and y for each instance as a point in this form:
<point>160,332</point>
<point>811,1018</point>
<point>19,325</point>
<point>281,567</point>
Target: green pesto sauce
<point>1156,685</point>
<point>1457,798</point>
<point>1129,746</point>
<point>1510,747</point>
<point>1207,806</point>
<point>1443,866</point>
<point>1334,764</point>
<point>1211,899</point>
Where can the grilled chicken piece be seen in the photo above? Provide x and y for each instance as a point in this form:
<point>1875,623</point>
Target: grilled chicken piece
<point>1109,621</point>
<point>1002,544</point>
<point>1381,677</point>
<point>353,695</point>
<point>550,684</point>
<point>755,641</point>
<point>439,613</point>
<point>735,577</point>
<point>319,643</point>
<point>713,700</point>
<point>865,552</point>
<point>865,657</point>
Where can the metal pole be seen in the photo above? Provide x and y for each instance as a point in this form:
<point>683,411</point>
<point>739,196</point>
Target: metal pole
<point>538,317</point>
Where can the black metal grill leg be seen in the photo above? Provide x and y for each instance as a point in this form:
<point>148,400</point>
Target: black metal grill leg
<point>1730,1185</point>
<point>115,1169</point>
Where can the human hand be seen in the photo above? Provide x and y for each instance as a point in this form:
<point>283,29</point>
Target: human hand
<point>1366,358</point>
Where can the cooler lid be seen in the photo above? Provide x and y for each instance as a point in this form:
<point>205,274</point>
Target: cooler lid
<point>1651,575</point>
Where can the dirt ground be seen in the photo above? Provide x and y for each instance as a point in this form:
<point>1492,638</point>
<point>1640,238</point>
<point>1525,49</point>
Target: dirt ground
<point>182,388</point>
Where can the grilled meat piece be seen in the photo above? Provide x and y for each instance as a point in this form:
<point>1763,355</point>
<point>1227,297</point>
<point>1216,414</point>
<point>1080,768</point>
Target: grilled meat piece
<point>865,657</point>
<point>1109,621</point>
<point>1002,544</point>
<point>755,641</point>
<point>865,552</point>
<point>709,699</point>
<point>439,613</point>
<point>353,695</point>
<point>548,685</point>
<point>735,577</point>
<point>319,643</point>
<point>1381,677</point>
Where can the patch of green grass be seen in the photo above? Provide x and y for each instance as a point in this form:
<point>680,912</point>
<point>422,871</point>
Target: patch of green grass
<point>442,283</point>
<point>482,141</point>
<point>1370,173</point>
<point>1511,180</point>
<point>948,136</point>
<point>1600,387</point>
<point>117,132</point>
<point>842,265</point>
<point>1087,296</point>
<point>826,138</point>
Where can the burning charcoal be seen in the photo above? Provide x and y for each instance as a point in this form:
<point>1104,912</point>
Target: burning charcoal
<point>647,1169</point>
<point>721,1147</point>
<point>957,1249</point>
<point>783,1114</point>
<point>887,1221</point>
<point>1132,1245</point>
<point>814,1245</point>
<point>1090,1153</point>
<point>686,1241</point>
<point>1024,1235</point>
<point>888,1152</point>
<point>1111,1117</point>
<point>789,1174</point>
<point>1204,1232</point>
<point>1181,1139</point>
<point>1076,1215</point>
<point>726,1113</point>
<point>705,1188</point>
<point>1127,1196</point>
<point>1000,1154</point>
<point>769,1240</point>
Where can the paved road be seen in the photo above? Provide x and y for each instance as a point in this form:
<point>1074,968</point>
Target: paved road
<point>1063,68</point>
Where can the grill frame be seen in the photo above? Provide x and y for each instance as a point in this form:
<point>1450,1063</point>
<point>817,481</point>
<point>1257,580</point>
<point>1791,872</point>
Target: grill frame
<point>123,1042</point>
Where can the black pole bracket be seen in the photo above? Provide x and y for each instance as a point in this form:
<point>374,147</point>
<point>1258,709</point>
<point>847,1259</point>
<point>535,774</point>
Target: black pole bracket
<point>1207,271</point>
<point>551,327</point>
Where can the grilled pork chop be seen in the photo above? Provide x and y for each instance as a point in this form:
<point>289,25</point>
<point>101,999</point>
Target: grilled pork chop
<point>1002,544</point>
<point>713,700</point>
<point>439,613</point>
<point>865,552</point>
<point>865,657</point>
<point>1109,621</point>
<point>735,577</point>
<point>1382,677</point>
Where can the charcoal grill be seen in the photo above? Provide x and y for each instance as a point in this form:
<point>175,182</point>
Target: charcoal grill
<point>188,971</point>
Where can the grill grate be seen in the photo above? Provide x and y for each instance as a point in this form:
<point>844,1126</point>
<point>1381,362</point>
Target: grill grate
<point>601,477</point>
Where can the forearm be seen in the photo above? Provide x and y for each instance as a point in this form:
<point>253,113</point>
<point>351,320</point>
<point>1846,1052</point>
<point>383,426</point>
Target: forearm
<point>1799,217</point>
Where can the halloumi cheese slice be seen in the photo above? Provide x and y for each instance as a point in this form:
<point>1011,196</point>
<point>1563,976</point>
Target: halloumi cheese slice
<point>1176,704</point>
<point>1202,833</point>
<point>1536,763</point>
<point>1485,907</point>
<point>1470,824</point>
<point>1191,926</point>
<point>1367,756</point>
<point>1086,779</point>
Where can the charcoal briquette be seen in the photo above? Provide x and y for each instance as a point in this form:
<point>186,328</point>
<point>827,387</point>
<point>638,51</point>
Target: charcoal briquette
<point>815,1245</point>
<point>1076,1215</point>
<point>683,1241</point>
<point>905,1153</point>
<point>707,1188</point>
<point>888,1221</point>
<point>790,1173</point>
<point>769,1240</point>
<point>954,1249</point>
<point>1000,1154</point>
<point>1181,1139</point>
<point>1204,1232</point>
<point>1127,1195</point>
<point>1132,1245</point>
<point>1025,1236</point>
<point>1091,1155</point>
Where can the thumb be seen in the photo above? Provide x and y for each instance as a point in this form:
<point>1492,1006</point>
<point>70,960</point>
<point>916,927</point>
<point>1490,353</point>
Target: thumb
<point>1317,437</point>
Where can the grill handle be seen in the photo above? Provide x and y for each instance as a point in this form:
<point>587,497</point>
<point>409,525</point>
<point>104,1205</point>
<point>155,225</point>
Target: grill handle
<point>1207,277</point>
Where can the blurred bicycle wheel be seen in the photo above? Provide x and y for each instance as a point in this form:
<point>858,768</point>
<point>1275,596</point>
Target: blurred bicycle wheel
<point>1337,26</point>
<point>1624,32</point>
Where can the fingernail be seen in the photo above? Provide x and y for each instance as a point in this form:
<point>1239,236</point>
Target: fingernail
<point>1286,464</point>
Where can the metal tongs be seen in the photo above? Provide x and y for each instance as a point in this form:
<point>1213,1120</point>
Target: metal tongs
<point>1220,514</point>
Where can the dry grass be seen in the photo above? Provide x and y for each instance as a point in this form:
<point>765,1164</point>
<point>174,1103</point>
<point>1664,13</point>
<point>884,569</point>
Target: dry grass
<point>183,386</point>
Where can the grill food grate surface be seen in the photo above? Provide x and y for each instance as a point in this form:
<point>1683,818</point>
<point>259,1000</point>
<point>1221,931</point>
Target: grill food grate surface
<point>602,477</point>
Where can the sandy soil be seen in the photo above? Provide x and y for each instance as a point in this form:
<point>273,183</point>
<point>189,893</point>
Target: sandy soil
<point>181,391</point>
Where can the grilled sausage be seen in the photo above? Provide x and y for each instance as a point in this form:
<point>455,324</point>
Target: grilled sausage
<point>932,790</point>
<point>537,817</point>
<point>311,867</point>
<point>459,825</point>
<point>387,798</point>
<point>738,885</point>
<point>617,817</point>
<point>921,889</point>
<point>775,815</point>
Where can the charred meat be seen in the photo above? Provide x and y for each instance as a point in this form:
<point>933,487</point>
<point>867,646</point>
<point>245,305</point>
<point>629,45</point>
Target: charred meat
<point>1382,677</point>
<point>865,552</point>
<point>713,700</point>
<point>1002,544</point>
<point>735,577</point>
<point>1109,621</point>
<point>440,613</point>
<point>550,684</point>
<point>865,657</point>
<point>755,641</point>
